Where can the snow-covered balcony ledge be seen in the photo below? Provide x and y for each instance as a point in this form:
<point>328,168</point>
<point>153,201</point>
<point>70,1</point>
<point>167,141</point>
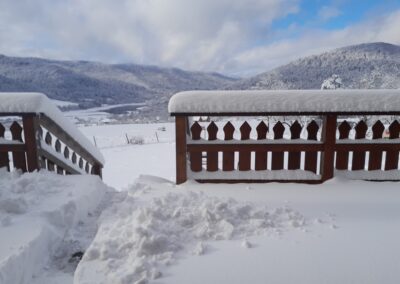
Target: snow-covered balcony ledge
<point>316,142</point>
<point>46,138</point>
<point>285,102</point>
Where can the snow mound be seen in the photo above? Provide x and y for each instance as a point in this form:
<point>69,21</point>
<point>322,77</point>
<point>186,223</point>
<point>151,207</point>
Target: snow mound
<point>38,212</point>
<point>151,228</point>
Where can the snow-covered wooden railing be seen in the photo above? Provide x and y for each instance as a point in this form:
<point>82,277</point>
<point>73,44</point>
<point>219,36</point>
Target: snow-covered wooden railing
<point>35,135</point>
<point>330,138</point>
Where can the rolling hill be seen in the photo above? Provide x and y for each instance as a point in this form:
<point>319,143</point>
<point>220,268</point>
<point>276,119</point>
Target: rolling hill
<point>363,66</point>
<point>92,83</point>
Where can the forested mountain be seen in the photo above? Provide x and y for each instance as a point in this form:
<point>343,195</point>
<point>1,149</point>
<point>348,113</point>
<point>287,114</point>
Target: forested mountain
<point>363,66</point>
<point>92,83</point>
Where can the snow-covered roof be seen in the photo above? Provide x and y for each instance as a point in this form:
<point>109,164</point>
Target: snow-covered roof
<point>284,101</point>
<point>18,103</point>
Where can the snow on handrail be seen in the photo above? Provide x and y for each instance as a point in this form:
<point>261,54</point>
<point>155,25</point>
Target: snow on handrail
<point>285,101</point>
<point>20,103</point>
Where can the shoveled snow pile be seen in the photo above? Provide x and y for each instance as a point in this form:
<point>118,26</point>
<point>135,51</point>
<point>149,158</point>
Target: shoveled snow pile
<point>156,224</point>
<point>38,215</point>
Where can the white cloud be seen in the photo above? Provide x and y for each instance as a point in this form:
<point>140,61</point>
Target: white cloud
<point>266,57</point>
<point>190,34</point>
<point>211,35</point>
<point>328,12</point>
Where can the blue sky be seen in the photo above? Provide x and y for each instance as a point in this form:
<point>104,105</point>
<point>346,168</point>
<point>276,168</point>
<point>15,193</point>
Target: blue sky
<point>339,14</point>
<point>234,37</point>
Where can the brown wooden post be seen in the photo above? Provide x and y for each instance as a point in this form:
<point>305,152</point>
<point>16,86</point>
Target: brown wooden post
<point>261,156</point>
<point>60,170</point>
<point>311,158</point>
<point>51,166</point>
<point>196,157</point>
<point>245,155</point>
<point>342,157</point>
<point>295,156</point>
<point>358,162</point>
<point>4,160</point>
<point>212,156</point>
<point>228,157</point>
<point>278,157</point>
<point>375,156</point>
<point>96,170</point>
<point>328,137</point>
<point>30,125</point>
<point>392,157</point>
<point>180,138</point>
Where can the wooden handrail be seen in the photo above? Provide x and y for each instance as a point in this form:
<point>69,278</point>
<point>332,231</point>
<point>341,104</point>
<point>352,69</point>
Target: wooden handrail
<point>60,162</point>
<point>274,113</point>
<point>12,148</point>
<point>51,126</point>
<point>196,155</point>
<point>254,147</point>
<point>32,153</point>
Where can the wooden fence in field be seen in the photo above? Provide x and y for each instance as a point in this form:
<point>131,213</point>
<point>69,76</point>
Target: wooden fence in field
<point>37,142</point>
<point>311,150</point>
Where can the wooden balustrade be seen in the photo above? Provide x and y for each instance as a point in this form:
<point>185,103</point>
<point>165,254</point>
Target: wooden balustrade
<point>339,132</point>
<point>37,142</point>
<point>285,151</point>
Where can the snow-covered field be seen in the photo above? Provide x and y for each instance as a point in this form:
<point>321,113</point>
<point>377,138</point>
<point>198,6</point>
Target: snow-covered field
<point>125,162</point>
<point>64,103</point>
<point>152,231</point>
<point>98,114</point>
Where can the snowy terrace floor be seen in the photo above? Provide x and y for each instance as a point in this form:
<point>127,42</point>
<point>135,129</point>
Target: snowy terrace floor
<point>338,232</point>
<point>44,219</point>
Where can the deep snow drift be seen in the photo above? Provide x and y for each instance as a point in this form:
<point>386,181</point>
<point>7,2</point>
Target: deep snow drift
<point>157,223</point>
<point>44,219</point>
<point>342,231</point>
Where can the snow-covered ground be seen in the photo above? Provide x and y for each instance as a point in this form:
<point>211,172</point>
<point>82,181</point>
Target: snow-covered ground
<point>64,103</point>
<point>152,231</point>
<point>44,220</point>
<point>97,114</point>
<point>159,223</point>
<point>350,236</point>
<point>125,162</point>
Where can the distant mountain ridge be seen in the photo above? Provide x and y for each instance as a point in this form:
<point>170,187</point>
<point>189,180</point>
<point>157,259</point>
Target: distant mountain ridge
<point>93,83</point>
<point>363,66</point>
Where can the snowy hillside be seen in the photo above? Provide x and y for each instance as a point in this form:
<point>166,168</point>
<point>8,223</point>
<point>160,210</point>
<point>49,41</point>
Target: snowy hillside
<point>92,83</point>
<point>364,66</point>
